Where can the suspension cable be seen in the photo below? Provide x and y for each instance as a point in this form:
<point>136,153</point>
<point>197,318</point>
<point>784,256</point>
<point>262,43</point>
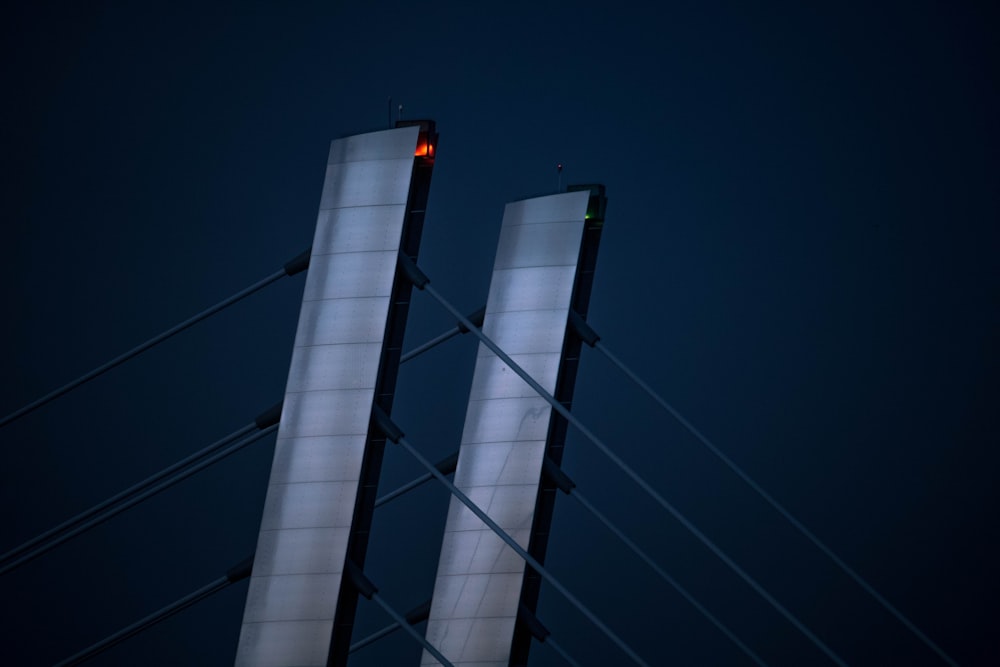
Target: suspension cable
<point>237,573</point>
<point>134,500</point>
<point>270,416</point>
<point>568,486</point>
<point>540,632</point>
<point>370,591</point>
<point>267,418</point>
<point>393,433</point>
<point>422,282</point>
<point>562,652</point>
<point>591,338</point>
<point>475,317</point>
<point>296,265</point>
<point>416,615</point>
<point>446,466</point>
<point>118,497</point>
<point>264,420</point>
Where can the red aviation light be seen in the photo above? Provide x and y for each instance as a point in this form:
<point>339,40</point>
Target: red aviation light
<point>426,140</point>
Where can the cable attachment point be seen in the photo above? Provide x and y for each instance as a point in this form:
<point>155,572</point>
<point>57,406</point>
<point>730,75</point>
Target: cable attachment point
<point>385,423</point>
<point>413,272</point>
<point>476,318</point>
<point>360,581</point>
<point>240,571</point>
<point>535,627</point>
<point>269,417</point>
<point>557,476</point>
<point>582,329</point>
<point>299,263</point>
<point>447,465</point>
<point>418,613</point>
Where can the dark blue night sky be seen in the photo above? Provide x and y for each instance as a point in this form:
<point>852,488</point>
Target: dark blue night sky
<point>800,253</point>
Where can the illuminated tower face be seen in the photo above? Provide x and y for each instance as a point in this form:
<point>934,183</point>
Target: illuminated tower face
<point>508,429</point>
<point>345,358</point>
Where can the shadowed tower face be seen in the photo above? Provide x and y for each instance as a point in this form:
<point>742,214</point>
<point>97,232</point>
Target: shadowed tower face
<point>321,488</point>
<point>507,430</point>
